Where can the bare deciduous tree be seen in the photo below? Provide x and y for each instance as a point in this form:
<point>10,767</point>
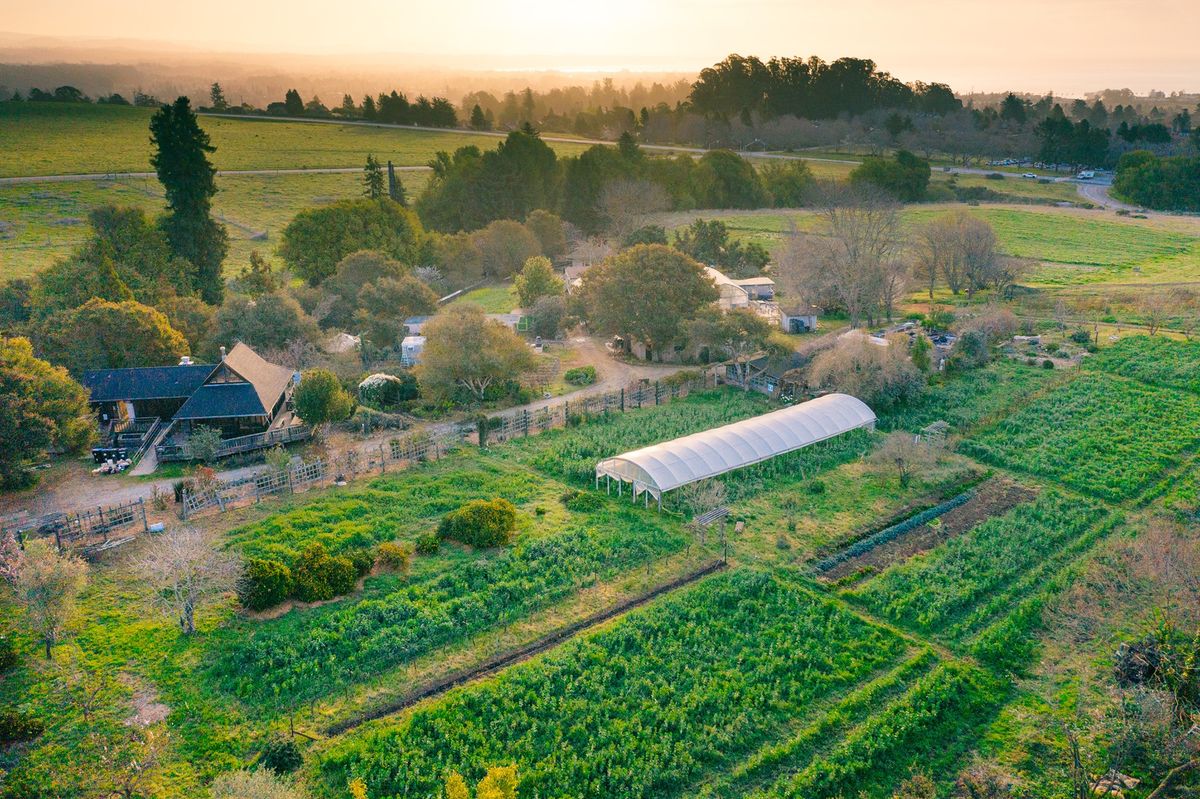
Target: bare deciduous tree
<point>857,258</point>
<point>1155,308</point>
<point>48,585</point>
<point>627,203</point>
<point>182,569</point>
<point>259,784</point>
<point>703,496</point>
<point>906,453</point>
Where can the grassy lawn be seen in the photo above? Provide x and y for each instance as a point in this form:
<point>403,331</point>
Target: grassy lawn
<point>60,139</point>
<point>492,299</point>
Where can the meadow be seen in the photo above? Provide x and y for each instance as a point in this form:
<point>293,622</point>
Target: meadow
<point>68,139</point>
<point>1153,360</point>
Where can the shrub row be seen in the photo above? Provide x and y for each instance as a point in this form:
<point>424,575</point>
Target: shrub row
<point>313,576</point>
<point>895,531</point>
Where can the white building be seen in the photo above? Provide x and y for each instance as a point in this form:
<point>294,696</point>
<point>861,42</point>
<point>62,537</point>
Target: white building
<point>411,349</point>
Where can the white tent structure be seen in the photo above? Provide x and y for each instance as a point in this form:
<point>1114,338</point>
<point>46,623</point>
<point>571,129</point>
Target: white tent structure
<point>662,467</point>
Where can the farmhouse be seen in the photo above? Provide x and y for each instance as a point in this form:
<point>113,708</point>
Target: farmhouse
<point>241,395</point>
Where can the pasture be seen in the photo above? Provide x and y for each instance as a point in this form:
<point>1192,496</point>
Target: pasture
<point>68,139</point>
<point>43,222</point>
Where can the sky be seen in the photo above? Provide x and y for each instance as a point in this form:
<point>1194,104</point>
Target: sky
<point>1061,45</point>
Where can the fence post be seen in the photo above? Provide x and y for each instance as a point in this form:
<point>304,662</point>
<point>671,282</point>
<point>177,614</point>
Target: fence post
<point>655,392</point>
<point>622,399</point>
<point>142,505</point>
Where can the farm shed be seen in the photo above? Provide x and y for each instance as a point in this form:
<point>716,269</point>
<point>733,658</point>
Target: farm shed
<point>662,467</point>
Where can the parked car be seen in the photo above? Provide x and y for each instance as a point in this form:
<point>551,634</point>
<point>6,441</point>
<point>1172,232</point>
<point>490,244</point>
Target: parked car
<point>1029,175</point>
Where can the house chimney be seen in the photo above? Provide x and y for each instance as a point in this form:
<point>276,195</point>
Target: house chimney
<point>222,353</point>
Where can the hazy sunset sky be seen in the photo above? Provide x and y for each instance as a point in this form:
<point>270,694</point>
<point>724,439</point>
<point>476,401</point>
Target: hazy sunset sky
<point>1065,45</point>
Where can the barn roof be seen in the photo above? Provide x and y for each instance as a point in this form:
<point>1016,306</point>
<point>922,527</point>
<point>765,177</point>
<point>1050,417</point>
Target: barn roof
<point>145,382</point>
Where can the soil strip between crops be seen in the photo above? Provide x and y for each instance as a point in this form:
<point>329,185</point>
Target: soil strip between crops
<point>524,653</point>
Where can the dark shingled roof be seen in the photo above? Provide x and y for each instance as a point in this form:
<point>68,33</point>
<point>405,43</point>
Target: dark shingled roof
<point>219,400</point>
<point>146,382</point>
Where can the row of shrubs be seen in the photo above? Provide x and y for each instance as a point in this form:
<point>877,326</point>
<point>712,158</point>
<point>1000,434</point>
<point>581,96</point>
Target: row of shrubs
<point>893,532</point>
<point>316,575</point>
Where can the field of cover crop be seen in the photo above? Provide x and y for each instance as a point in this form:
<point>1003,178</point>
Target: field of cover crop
<point>1101,434</point>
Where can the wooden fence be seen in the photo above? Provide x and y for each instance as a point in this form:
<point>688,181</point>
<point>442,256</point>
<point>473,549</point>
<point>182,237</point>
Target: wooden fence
<point>239,445</point>
<point>87,531</point>
<point>403,451</point>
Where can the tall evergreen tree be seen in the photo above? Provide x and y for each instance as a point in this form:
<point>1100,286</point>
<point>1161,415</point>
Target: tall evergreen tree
<point>395,187</point>
<point>217,99</point>
<point>293,103</point>
<point>372,179</point>
<point>478,120</point>
<point>181,161</point>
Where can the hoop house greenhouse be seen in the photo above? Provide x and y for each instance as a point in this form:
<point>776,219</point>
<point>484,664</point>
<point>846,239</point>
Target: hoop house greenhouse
<point>662,467</point>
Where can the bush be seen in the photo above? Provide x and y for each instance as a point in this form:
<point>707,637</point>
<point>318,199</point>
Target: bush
<point>480,523</point>
<point>580,375</point>
<point>363,561</point>
<point>8,654</point>
<point>385,391</point>
<point>581,501</point>
<point>264,584</point>
<point>317,575</point>
<point>281,755</point>
<point>394,556</point>
<point>16,725</point>
<point>428,544</point>
<point>1047,364</point>
<point>1081,336</point>
<point>815,487</point>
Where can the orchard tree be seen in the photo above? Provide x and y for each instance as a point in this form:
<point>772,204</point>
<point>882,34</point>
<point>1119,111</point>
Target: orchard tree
<point>466,350</point>
<point>40,407</point>
<point>182,568</point>
<point>537,280</point>
<point>648,292</point>
<point>110,335</point>
<point>181,161</point>
<point>320,398</point>
<point>48,586</point>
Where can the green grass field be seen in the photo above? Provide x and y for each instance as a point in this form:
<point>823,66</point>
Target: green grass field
<point>58,139</point>
<point>46,221</point>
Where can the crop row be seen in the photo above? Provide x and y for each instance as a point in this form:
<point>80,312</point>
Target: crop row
<point>933,591</point>
<point>924,729</point>
<point>1100,434</point>
<point>302,656</point>
<point>1152,359</point>
<point>640,709</point>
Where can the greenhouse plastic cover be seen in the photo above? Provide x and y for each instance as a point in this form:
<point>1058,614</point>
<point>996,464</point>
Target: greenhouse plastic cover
<point>675,463</point>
